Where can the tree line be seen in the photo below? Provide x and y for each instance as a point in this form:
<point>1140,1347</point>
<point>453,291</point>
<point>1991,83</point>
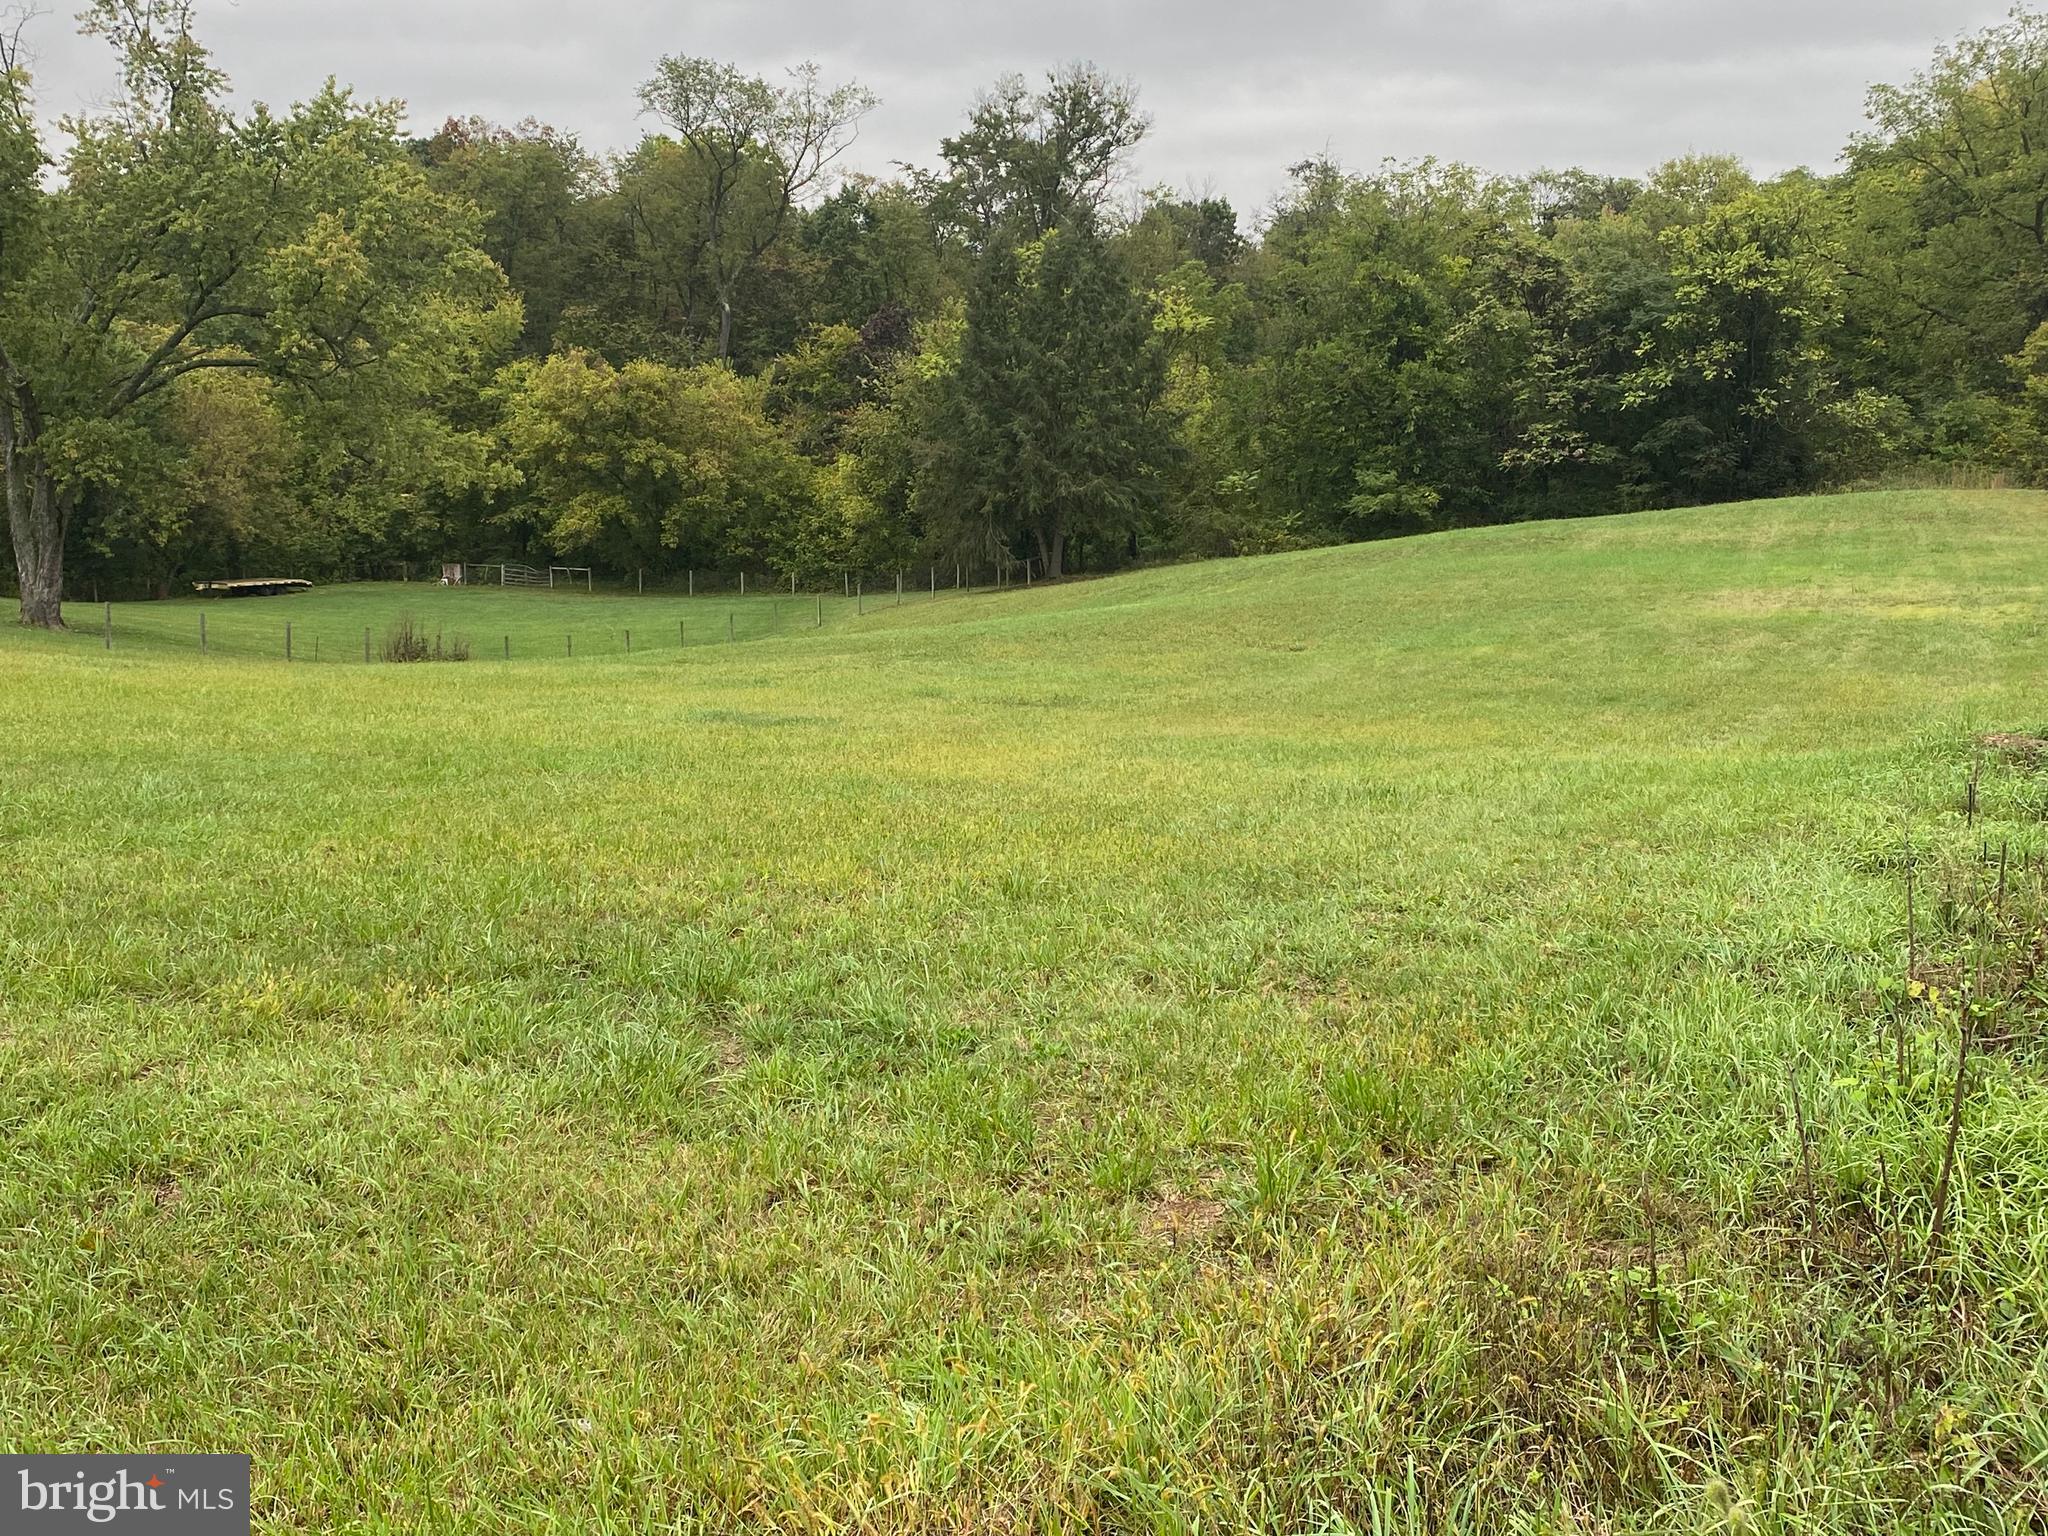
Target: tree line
<point>267,341</point>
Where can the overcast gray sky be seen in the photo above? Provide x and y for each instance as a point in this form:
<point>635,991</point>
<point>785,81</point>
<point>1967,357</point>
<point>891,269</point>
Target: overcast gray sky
<point>1238,89</point>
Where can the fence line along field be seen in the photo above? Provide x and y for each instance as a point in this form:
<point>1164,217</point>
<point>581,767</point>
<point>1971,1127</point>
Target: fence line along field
<point>1423,1036</point>
<point>338,623</point>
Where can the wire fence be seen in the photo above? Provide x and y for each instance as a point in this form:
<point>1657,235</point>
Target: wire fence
<point>465,620</point>
<point>928,577</point>
<point>981,574</point>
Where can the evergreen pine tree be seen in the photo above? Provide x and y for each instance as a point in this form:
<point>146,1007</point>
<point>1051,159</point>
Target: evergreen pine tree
<point>1055,427</point>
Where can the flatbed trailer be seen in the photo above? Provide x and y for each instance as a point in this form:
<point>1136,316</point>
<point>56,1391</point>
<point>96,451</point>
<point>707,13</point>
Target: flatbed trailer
<point>252,586</point>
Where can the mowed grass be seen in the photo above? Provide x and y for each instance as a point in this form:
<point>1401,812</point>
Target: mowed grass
<point>1409,1037</point>
<point>341,623</point>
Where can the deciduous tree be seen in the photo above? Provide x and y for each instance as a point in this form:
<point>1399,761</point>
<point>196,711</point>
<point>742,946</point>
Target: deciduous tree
<point>757,150</point>
<point>1029,161</point>
<point>650,465</point>
<point>183,239</point>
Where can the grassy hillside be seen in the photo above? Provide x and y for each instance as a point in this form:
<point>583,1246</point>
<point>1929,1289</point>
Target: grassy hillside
<point>1405,1037</point>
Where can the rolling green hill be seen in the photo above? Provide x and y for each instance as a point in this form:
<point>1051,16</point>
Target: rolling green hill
<point>1414,1036</point>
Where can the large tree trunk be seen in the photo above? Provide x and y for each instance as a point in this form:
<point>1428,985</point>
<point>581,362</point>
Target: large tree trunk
<point>1052,550</point>
<point>35,522</point>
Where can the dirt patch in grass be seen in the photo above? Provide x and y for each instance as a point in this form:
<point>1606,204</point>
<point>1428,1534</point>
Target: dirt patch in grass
<point>1176,1218</point>
<point>2016,745</point>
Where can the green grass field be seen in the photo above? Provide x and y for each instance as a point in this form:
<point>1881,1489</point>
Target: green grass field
<point>1411,1037</point>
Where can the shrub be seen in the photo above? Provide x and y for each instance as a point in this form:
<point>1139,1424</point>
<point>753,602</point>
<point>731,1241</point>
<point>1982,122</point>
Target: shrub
<point>407,641</point>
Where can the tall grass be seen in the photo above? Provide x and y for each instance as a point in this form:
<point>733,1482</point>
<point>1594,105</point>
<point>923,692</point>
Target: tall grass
<point>407,640</point>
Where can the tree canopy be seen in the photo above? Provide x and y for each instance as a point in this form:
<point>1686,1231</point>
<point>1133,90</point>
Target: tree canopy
<point>259,339</point>
<point>307,248</point>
